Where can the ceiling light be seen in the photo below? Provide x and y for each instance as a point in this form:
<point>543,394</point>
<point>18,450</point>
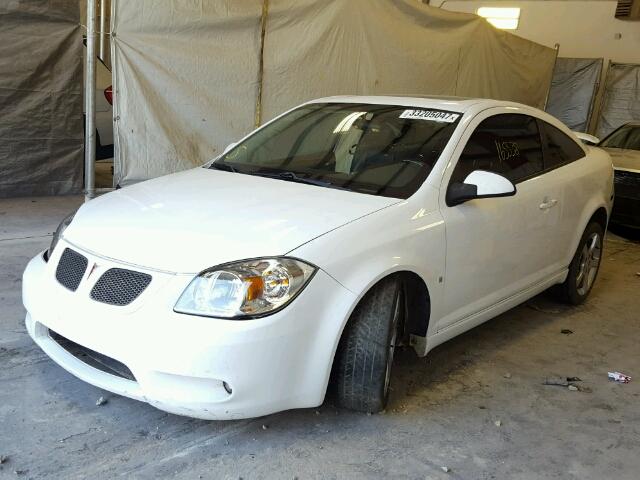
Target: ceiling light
<point>499,17</point>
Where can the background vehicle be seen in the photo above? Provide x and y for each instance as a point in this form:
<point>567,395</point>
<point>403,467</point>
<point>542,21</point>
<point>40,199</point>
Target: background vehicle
<point>623,145</point>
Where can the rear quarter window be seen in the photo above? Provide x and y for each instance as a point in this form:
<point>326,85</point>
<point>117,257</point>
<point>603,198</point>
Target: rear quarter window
<point>559,148</point>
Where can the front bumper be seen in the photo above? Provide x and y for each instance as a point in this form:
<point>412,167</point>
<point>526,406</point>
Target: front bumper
<point>179,361</point>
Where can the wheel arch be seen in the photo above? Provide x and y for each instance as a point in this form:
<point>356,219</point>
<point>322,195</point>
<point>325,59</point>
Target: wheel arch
<point>598,213</point>
<point>600,216</point>
<point>417,304</point>
<point>418,301</point>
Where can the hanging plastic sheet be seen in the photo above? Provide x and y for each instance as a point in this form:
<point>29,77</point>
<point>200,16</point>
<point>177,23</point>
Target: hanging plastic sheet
<point>621,98</point>
<point>187,73</point>
<point>573,91</point>
<point>41,133</point>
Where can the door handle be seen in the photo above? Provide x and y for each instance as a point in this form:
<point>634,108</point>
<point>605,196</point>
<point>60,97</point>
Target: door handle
<point>547,204</point>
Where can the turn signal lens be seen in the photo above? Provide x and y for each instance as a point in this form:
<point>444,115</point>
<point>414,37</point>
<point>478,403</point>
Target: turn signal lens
<point>245,289</point>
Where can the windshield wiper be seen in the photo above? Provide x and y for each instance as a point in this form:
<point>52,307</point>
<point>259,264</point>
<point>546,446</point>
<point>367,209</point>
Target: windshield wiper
<point>294,177</point>
<point>225,167</point>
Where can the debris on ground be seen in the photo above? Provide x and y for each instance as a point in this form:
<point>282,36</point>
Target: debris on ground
<point>557,381</point>
<point>619,377</point>
<point>497,423</point>
<point>560,381</point>
<point>264,427</point>
<point>445,469</point>
<point>566,331</point>
<point>3,459</point>
<point>101,401</point>
<point>507,375</point>
<point>573,388</point>
<point>19,472</point>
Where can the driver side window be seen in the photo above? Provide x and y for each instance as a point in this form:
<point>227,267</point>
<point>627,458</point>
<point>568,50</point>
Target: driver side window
<point>507,144</point>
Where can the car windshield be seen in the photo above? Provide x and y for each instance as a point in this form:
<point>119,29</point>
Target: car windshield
<point>625,137</point>
<point>382,150</point>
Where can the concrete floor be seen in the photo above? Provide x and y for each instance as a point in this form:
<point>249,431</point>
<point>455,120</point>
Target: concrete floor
<point>104,175</point>
<point>442,413</point>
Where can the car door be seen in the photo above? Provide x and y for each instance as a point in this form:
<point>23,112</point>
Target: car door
<point>496,247</point>
<point>567,177</point>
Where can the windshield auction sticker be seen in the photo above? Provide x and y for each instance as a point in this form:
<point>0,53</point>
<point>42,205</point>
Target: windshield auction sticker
<point>433,115</point>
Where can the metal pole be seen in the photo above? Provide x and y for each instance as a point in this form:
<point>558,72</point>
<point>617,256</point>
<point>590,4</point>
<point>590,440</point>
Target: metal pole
<point>592,103</point>
<point>263,30</point>
<point>90,104</point>
<point>555,60</point>
<point>103,10</point>
<point>603,94</point>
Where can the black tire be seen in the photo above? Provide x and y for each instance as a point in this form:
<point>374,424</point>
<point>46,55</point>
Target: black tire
<point>365,355</point>
<point>584,267</point>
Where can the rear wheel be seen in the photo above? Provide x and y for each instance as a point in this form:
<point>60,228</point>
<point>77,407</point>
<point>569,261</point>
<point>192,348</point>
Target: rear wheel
<point>584,266</point>
<point>365,356</point>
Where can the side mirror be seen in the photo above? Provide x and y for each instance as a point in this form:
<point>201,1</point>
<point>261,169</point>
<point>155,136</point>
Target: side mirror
<point>480,184</point>
<point>229,147</point>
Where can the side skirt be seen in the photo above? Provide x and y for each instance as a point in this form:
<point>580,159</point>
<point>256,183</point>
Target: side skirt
<point>488,313</point>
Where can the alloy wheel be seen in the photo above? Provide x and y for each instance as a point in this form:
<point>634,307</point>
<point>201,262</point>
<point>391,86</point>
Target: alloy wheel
<point>588,263</point>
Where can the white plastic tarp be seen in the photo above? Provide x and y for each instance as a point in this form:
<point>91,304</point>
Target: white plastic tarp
<point>187,73</point>
<point>621,98</point>
<point>41,134</point>
<point>573,91</point>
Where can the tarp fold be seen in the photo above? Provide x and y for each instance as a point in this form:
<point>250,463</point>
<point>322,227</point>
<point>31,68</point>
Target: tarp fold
<point>621,97</point>
<point>573,91</point>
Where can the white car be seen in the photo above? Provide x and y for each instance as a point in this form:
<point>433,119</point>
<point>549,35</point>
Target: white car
<point>313,247</point>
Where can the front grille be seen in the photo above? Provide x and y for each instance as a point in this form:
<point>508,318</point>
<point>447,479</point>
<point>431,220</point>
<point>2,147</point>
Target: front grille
<point>627,184</point>
<point>92,358</point>
<point>118,286</point>
<point>71,268</point>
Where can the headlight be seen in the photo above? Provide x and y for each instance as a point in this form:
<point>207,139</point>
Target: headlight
<point>58,233</point>
<point>247,289</point>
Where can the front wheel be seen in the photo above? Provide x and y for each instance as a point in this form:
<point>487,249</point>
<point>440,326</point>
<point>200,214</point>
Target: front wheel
<point>365,355</point>
<point>584,266</point>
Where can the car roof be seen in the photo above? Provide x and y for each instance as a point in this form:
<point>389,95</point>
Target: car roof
<point>451,103</point>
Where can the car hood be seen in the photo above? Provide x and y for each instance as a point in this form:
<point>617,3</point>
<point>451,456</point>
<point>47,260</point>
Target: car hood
<point>193,220</point>
<point>624,159</point>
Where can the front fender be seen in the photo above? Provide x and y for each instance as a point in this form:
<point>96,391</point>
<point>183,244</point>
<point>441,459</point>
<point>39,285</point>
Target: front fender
<point>400,238</point>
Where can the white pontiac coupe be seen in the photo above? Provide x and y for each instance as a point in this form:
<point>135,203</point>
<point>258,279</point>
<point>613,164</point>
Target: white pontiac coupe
<point>313,247</point>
